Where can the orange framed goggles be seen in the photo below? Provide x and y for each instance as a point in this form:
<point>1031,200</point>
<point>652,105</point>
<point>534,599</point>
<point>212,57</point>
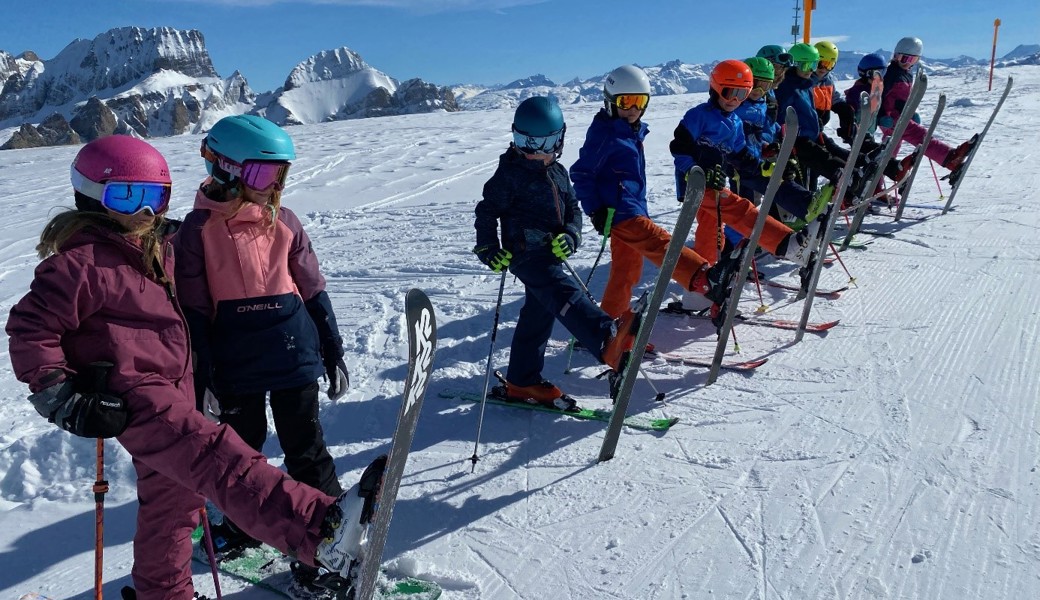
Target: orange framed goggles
<point>627,101</point>
<point>826,64</point>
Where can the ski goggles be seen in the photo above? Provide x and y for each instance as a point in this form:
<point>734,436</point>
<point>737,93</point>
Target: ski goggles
<point>870,73</point>
<point>762,85</point>
<point>908,59</point>
<point>734,93</point>
<point>258,175</point>
<point>826,64</point>
<point>539,144</point>
<point>627,101</point>
<point>807,65</point>
<point>125,197</point>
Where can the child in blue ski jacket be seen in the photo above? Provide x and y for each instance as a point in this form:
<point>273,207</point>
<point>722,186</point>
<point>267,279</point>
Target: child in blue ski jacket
<point>610,181</point>
<point>762,136</point>
<point>711,136</point>
<point>529,222</point>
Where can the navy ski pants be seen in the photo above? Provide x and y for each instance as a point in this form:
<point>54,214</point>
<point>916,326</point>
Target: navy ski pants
<point>551,293</point>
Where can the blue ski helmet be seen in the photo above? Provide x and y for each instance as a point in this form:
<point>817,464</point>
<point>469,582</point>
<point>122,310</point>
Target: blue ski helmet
<point>871,62</point>
<point>538,126</point>
<point>240,138</point>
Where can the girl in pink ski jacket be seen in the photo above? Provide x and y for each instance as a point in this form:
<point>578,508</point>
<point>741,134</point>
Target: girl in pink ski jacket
<point>104,348</point>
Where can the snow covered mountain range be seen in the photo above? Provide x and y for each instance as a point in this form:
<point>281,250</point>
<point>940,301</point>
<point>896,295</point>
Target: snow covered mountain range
<point>161,82</point>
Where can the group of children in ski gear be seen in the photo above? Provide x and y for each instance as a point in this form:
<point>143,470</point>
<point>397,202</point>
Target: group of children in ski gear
<point>731,136</point>
<point>102,340</point>
<point>169,336</point>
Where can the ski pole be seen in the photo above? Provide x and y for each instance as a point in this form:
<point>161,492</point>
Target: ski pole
<point>602,247</point>
<point>487,369</point>
<point>938,186</point>
<point>210,554</point>
<point>657,395</point>
<point>852,279</point>
<point>98,381</point>
<point>763,307</point>
<point>99,489</point>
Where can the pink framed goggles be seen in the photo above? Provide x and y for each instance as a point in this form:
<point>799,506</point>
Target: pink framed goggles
<point>258,175</point>
<point>125,197</point>
<point>908,59</point>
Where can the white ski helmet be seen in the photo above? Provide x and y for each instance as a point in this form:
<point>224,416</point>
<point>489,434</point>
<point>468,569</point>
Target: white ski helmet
<point>627,79</point>
<point>909,45</point>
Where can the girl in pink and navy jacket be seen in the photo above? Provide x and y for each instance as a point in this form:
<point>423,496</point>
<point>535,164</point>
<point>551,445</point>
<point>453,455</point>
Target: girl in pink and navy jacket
<point>256,305</point>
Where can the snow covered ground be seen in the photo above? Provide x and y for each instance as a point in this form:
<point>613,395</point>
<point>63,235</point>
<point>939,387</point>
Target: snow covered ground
<point>894,457</point>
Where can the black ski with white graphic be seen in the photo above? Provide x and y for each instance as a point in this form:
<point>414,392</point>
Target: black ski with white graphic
<point>956,182</point>
<point>422,340</point>
<point>864,195</point>
<point>867,114</point>
<point>695,186</point>
<point>904,190</point>
<point>737,283</point>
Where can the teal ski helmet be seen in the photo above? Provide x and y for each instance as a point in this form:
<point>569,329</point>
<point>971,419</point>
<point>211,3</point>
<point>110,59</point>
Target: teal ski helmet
<point>241,138</point>
<point>775,54</point>
<point>538,126</point>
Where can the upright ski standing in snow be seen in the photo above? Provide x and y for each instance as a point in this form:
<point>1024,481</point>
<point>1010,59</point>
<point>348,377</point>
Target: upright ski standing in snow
<point>978,142</point>
<point>867,113</point>
<point>695,186</point>
<point>422,340</point>
<point>904,190</point>
<point>887,152</point>
<point>740,275</point>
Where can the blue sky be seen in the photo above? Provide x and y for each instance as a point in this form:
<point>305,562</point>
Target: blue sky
<point>497,41</point>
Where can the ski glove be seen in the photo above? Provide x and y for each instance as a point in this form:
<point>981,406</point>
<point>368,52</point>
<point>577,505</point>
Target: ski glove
<point>563,246</point>
<point>86,414</point>
<point>792,170</point>
<point>715,178</point>
<point>766,167</point>
<point>210,406</point>
<point>602,219</point>
<point>494,257</point>
<point>339,378</point>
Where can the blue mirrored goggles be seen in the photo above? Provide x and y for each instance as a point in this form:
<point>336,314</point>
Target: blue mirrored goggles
<point>539,144</point>
<point>130,197</point>
<point>125,197</point>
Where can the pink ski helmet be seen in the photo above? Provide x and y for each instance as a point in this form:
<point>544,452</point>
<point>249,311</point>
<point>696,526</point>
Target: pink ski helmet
<point>121,158</point>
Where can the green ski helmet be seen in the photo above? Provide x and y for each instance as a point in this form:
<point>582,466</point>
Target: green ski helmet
<point>239,138</point>
<point>805,57</point>
<point>760,67</point>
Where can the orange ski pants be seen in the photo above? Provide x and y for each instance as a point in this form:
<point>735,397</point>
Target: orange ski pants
<point>631,241</point>
<point>740,214</point>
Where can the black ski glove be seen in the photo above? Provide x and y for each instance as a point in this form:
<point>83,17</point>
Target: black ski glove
<point>339,376</point>
<point>715,178</point>
<point>89,414</point>
<point>602,219</point>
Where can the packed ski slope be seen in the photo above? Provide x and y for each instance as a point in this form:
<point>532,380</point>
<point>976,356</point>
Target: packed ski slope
<point>893,457</point>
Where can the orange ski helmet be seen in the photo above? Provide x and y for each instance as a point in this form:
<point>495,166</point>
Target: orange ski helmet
<point>731,74</point>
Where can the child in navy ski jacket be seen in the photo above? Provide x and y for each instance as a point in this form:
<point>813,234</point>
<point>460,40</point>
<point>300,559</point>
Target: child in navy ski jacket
<point>255,300</point>
<point>529,221</point>
<point>102,344</point>
<point>610,181</point>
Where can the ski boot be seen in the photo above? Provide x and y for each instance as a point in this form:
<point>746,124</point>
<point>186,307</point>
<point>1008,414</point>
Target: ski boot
<point>303,586</point>
<point>345,532</point>
<point>955,159</point>
<point>229,541</point>
<point>797,246</point>
<point>543,393</point>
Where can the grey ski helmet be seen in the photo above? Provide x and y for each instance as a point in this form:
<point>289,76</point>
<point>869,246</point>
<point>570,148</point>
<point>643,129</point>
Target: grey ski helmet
<point>910,45</point>
<point>626,79</point>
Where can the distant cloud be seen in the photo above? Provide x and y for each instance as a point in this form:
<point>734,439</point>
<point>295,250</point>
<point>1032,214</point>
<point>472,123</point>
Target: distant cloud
<point>831,38</point>
<point>423,6</point>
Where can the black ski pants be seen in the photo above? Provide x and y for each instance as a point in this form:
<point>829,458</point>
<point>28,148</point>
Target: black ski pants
<point>295,412</point>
